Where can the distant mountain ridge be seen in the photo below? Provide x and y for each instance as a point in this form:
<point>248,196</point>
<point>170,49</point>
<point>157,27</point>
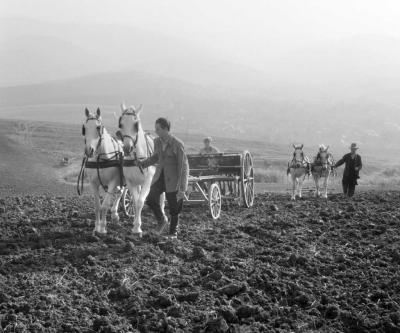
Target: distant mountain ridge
<point>335,92</point>
<point>196,109</point>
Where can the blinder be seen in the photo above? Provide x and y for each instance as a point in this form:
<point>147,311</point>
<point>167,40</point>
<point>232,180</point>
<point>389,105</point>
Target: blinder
<point>100,130</point>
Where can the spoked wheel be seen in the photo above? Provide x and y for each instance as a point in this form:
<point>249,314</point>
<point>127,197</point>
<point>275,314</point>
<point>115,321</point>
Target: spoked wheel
<point>215,200</point>
<point>127,203</point>
<point>247,179</point>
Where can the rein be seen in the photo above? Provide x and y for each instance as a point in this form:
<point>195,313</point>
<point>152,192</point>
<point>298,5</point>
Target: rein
<point>81,176</point>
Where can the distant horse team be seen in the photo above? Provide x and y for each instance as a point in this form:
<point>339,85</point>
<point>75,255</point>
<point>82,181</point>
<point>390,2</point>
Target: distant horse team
<point>113,163</point>
<point>320,168</point>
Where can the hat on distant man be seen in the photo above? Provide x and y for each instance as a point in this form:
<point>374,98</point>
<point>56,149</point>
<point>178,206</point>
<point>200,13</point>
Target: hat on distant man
<point>353,146</point>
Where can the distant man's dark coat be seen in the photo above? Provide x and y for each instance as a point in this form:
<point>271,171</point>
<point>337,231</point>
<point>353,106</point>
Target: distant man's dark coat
<point>350,174</point>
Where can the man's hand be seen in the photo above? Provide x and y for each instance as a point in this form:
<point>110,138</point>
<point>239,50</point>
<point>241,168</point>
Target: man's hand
<point>180,195</point>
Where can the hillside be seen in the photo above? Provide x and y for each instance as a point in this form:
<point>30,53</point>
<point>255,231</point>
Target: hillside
<point>196,109</point>
<point>31,154</point>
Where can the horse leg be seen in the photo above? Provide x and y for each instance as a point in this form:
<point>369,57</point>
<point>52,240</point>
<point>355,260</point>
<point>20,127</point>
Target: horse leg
<point>301,180</point>
<point>135,191</point>
<point>316,180</point>
<point>143,193</point>
<point>162,206</point>
<point>114,208</point>
<point>96,206</point>
<point>294,180</point>
<point>325,194</point>
<point>104,209</point>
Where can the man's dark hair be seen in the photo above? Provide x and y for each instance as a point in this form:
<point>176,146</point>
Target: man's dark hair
<point>164,123</point>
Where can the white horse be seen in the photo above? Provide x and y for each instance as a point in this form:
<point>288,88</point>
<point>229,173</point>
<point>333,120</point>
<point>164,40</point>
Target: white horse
<point>102,167</point>
<point>137,145</point>
<point>298,168</point>
<point>322,168</point>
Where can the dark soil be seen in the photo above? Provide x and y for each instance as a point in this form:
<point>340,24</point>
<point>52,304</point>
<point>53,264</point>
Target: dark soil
<point>308,266</point>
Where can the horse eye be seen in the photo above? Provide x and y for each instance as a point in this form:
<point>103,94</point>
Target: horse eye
<point>98,127</point>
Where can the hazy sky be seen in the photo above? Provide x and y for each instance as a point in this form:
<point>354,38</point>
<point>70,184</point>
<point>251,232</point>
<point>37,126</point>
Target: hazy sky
<point>247,30</point>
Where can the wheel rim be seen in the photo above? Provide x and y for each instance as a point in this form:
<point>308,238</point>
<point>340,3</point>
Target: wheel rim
<point>247,179</point>
<point>215,201</point>
<point>128,204</point>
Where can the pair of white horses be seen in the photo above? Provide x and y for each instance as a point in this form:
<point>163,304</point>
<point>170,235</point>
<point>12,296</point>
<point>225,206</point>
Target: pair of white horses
<point>101,149</point>
<point>320,168</point>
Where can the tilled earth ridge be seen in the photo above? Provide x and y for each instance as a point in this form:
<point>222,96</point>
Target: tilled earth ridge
<point>280,266</point>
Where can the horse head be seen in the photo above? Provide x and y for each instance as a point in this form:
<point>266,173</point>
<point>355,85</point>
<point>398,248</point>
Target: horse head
<point>129,125</point>
<point>325,158</point>
<point>92,130</point>
<point>298,155</point>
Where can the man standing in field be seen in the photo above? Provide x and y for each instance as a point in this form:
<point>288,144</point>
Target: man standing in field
<point>171,176</point>
<point>351,171</point>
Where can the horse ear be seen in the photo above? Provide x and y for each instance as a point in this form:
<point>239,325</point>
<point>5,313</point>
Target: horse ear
<point>123,107</point>
<point>294,146</point>
<point>302,146</point>
<point>87,112</point>
<point>139,109</point>
<point>327,147</point>
<point>98,112</point>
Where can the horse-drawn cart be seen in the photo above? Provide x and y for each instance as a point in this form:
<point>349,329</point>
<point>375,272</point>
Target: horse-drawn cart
<point>213,178</point>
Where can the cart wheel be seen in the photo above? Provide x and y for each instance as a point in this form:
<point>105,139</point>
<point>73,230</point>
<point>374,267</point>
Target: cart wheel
<point>127,203</point>
<point>247,179</point>
<point>214,200</point>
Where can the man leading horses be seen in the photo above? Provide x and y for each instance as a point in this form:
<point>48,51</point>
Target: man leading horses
<point>353,165</point>
<point>171,176</point>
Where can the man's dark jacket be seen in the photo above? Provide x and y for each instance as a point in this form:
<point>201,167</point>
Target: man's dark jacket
<point>350,175</point>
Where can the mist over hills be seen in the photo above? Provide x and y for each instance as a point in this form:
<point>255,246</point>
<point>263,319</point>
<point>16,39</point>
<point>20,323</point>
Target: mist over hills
<point>335,92</point>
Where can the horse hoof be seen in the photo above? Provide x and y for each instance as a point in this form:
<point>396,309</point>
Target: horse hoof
<point>137,234</point>
<point>115,218</point>
<point>99,233</point>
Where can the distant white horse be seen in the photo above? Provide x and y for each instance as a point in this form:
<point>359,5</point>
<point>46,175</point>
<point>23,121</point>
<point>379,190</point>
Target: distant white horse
<point>298,168</point>
<point>322,168</point>
<point>103,167</point>
<point>137,145</point>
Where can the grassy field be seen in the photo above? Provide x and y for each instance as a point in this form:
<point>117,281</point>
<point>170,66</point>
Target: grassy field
<point>41,146</point>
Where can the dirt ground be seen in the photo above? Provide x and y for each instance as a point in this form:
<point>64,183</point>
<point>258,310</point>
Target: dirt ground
<point>307,266</point>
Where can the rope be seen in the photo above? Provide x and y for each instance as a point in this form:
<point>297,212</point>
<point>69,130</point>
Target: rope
<point>81,176</point>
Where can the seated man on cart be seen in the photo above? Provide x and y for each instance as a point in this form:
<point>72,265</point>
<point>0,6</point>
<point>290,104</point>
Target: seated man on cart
<point>208,148</point>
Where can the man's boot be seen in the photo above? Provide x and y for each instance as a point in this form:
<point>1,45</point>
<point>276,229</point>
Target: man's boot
<point>173,227</point>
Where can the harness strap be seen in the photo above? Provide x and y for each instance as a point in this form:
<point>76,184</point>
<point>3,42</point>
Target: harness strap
<point>81,176</point>
<point>98,175</point>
